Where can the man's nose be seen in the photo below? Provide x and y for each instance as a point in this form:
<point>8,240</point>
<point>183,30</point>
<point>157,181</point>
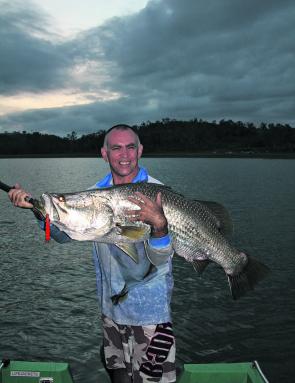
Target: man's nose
<point>124,152</point>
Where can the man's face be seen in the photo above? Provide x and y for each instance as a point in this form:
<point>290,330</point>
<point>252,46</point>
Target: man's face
<point>122,153</point>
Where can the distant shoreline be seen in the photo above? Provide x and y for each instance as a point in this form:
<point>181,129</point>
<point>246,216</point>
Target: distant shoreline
<point>163,155</point>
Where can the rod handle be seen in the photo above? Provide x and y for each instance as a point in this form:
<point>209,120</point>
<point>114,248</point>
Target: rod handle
<point>5,187</point>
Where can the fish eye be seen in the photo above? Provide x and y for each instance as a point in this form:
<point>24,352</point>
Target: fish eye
<point>61,198</point>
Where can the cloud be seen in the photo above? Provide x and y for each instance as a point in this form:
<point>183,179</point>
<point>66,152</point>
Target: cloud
<point>82,119</point>
<point>28,61</point>
<point>177,59</point>
<point>212,54</point>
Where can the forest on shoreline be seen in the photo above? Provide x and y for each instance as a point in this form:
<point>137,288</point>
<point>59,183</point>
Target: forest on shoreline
<point>167,138</point>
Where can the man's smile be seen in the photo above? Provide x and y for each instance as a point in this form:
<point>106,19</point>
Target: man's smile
<point>124,162</point>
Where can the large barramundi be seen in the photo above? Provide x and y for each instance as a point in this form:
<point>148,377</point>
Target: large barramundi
<point>197,228</point>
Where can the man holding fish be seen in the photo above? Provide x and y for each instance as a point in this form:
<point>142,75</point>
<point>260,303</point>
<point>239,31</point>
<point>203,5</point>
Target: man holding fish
<point>135,291</point>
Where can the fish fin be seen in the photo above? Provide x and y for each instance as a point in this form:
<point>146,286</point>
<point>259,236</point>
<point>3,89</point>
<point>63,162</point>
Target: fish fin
<point>221,215</point>
<point>129,249</point>
<point>118,298</point>
<point>135,233</point>
<point>200,265</point>
<point>253,272</point>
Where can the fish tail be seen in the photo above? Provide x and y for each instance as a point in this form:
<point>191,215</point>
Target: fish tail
<point>253,272</point>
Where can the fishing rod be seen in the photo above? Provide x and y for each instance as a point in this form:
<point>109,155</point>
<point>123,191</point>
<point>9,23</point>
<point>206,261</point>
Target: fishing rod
<point>31,200</point>
<point>35,209</point>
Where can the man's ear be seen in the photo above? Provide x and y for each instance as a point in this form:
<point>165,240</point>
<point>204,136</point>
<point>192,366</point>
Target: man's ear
<point>140,150</point>
<point>104,154</point>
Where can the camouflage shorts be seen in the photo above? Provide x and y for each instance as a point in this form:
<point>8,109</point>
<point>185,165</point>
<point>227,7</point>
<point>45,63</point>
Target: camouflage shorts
<point>147,352</point>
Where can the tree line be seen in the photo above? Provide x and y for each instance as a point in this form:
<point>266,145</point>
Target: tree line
<point>163,137</point>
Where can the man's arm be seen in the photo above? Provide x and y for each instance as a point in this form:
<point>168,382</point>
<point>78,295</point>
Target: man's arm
<point>18,197</point>
<point>159,246</point>
<point>150,212</point>
<point>56,234</point>
<point>159,250</point>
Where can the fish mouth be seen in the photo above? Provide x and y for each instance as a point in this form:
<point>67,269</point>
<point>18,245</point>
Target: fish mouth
<point>39,208</point>
<point>49,207</point>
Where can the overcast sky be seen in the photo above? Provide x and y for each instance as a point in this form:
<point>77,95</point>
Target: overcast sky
<point>72,65</point>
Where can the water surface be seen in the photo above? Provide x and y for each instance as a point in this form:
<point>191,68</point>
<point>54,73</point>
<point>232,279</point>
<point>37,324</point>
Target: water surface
<point>48,306</point>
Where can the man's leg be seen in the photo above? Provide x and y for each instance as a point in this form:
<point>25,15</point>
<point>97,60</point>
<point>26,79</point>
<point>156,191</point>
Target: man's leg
<point>114,358</point>
<point>120,376</point>
<point>154,354</point>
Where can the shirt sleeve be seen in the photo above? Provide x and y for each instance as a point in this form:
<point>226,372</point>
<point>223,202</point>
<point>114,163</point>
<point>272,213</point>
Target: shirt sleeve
<point>159,250</point>
<point>58,235</point>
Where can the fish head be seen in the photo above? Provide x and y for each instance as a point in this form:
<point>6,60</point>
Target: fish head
<point>78,212</point>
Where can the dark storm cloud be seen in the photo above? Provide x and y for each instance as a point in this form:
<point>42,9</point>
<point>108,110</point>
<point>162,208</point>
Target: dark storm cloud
<point>28,61</point>
<point>181,59</point>
<point>214,55</point>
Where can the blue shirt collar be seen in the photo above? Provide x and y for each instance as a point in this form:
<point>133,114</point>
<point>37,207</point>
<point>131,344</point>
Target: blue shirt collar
<point>142,176</point>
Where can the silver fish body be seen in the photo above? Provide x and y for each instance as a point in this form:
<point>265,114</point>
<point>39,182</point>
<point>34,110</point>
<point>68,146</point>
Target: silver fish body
<point>197,227</point>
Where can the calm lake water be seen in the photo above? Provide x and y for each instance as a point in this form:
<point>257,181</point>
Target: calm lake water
<point>48,306</point>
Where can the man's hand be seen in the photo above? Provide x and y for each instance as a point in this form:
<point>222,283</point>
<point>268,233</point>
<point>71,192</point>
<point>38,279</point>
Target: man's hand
<point>17,196</point>
<point>150,212</point>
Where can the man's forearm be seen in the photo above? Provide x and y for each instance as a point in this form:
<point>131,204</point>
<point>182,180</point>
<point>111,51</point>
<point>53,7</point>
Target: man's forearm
<point>159,250</point>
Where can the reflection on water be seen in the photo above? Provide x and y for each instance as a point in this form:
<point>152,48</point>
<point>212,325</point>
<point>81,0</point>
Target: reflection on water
<point>48,306</point>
